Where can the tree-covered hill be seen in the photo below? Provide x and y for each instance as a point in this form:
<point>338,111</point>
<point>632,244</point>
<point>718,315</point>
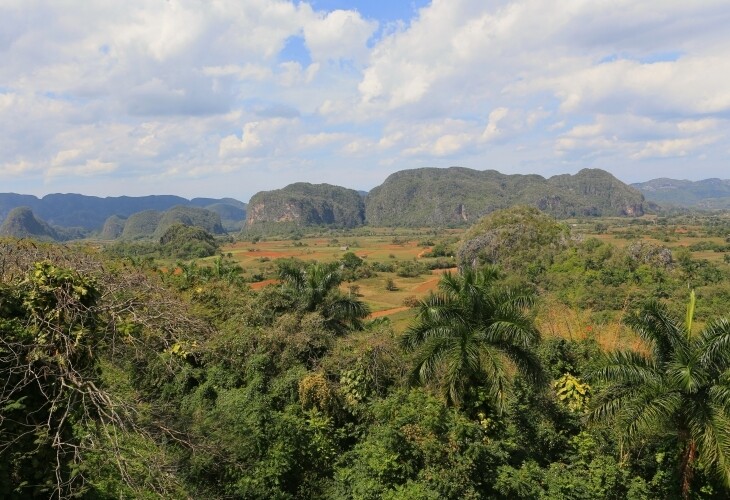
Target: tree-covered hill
<point>91,212</point>
<point>21,222</point>
<point>113,227</point>
<point>233,217</point>
<point>456,196</point>
<point>152,224</point>
<point>141,225</point>
<point>305,204</point>
<point>707,193</point>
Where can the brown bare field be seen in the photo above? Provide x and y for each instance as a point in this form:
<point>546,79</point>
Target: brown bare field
<point>258,259</point>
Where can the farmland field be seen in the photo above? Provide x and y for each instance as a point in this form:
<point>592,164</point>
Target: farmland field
<point>394,248</point>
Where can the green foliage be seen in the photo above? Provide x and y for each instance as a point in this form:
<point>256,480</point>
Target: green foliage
<point>681,388</point>
<point>351,261</point>
<point>440,249</point>
<point>466,336</point>
<point>415,445</point>
<point>48,334</point>
<point>573,393</point>
<point>316,288</point>
<point>411,269</point>
<point>220,391</point>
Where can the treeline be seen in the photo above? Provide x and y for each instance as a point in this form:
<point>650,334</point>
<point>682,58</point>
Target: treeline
<point>125,380</point>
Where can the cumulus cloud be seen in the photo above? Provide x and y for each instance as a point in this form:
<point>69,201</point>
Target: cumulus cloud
<point>637,138</point>
<point>178,89</point>
<point>340,34</point>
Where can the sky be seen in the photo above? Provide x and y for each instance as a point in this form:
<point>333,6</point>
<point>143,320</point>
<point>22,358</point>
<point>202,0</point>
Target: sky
<point>230,97</point>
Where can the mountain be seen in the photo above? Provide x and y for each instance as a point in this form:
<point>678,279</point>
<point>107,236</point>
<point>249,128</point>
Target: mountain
<point>152,224</point>
<point>304,204</point>
<point>113,228</point>
<point>456,196</point>
<point>141,225</point>
<point>708,193</point>
<point>91,212</point>
<point>189,216</point>
<point>233,218</point>
<point>205,202</point>
<point>21,222</point>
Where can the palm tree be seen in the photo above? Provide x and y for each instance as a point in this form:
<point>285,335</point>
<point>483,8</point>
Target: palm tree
<point>316,288</point>
<point>469,334</point>
<point>681,388</point>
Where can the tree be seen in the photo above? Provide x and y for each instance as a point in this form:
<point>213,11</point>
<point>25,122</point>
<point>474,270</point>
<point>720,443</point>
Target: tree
<point>681,388</point>
<point>470,332</point>
<point>316,289</point>
<point>76,334</point>
<point>49,330</point>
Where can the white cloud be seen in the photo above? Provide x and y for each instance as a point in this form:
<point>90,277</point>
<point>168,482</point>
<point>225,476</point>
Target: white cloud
<point>321,139</point>
<point>87,169</point>
<point>16,168</point>
<point>640,138</point>
<point>492,131</point>
<point>340,34</point>
<point>179,88</point>
<point>259,138</point>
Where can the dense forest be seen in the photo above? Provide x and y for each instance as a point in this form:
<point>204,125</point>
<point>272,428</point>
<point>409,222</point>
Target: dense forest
<point>148,370</point>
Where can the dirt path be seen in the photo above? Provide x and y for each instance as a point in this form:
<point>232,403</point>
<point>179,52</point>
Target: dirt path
<point>387,312</point>
<point>427,286</point>
<point>260,284</point>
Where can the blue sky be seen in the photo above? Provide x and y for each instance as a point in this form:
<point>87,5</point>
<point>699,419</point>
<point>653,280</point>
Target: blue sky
<point>232,97</point>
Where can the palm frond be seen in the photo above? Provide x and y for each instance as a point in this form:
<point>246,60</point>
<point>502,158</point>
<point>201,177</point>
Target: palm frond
<point>527,363</point>
<point>495,376</point>
<point>416,335</point>
<point>514,328</point>
<point>429,358</point>
<point>714,342</point>
<point>652,410</point>
<point>627,368</point>
<point>654,324</point>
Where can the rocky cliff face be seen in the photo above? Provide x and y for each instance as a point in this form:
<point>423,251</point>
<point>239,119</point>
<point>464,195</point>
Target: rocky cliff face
<point>306,204</point>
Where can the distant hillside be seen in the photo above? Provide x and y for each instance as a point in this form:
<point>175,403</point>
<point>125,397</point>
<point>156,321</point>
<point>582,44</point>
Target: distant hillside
<point>305,204</point>
<point>113,228</point>
<point>233,218</point>
<point>141,225</point>
<point>152,224</point>
<point>91,212</point>
<point>21,222</point>
<point>455,196</point>
<point>206,202</point>
<point>189,216</point>
<point>708,193</point>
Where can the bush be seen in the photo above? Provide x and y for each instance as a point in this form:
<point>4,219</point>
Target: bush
<point>411,269</point>
<point>411,301</point>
